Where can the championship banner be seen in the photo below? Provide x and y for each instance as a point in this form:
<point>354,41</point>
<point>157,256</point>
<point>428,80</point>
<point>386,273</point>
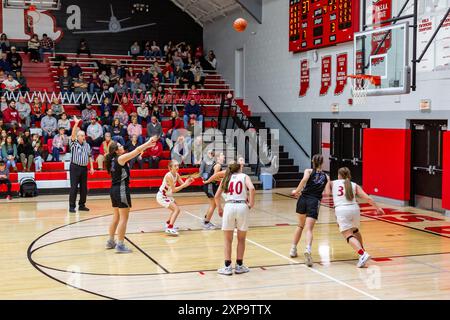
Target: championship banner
<point>443,46</point>
<point>424,32</point>
<point>304,77</point>
<point>382,10</point>
<point>326,75</point>
<point>341,73</point>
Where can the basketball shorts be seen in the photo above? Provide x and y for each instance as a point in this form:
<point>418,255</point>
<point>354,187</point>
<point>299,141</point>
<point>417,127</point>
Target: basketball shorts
<point>308,206</point>
<point>348,217</point>
<point>120,197</point>
<point>210,189</point>
<point>235,215</point>
<point>164,201</point>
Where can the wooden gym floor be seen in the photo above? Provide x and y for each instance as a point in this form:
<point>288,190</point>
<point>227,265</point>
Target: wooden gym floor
<point>48,254</point>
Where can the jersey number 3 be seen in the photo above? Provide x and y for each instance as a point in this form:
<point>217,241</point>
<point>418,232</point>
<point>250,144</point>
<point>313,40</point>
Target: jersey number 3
<point>232,190</point>
<point>340,191</point>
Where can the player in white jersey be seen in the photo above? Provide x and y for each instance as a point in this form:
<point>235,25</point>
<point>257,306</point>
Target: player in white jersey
<point>239,199</point>
<point>347,211</point>
<point>165,194</point>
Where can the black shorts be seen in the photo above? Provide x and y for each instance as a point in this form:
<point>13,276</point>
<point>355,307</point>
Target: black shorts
<point>308,206</point>
<point>210,189</point>
<point>120,198</point>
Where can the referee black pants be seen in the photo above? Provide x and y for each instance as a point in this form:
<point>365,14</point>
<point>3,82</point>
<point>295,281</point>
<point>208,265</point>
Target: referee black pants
<point>78,176</point>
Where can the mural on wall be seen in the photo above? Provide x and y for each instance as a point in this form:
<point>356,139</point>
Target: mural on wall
<point>108,28</point>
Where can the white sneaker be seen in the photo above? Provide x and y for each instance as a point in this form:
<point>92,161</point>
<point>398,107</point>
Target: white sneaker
<point>308,259</point>
<point>208,226</point>
<point>228,271</point>
<point>172,232</point>
<point>174,227</point>
<point>293,252</point>
<point>363,260</point>
<point>241,269</point>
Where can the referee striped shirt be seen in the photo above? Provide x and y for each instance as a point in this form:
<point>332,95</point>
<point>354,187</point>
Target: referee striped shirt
<point>80,153</point>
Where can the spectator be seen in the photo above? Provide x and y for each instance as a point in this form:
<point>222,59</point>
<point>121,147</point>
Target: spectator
<point>120,70</point>
<point>154,128</point>
<point>168,49</point>
<point>104,150</point>
<point>135,49</point>
<point>105,106</point>
<point>154,155</point>
<point>4,63</point>
<point>25,152</point>
<point>156,51</point>
<point>113,77</point>
<point>121,87</point>
<point>180,151</point>
<point>46,45</point>
<point>9,153</point>
<point>143,113</point>
<point>122,115</point>
<point>131,146</point>
<point>3,136</point>
<point>187,78</point>
<point>192,110</point>
<point>94,133</point>
<point>86,116</point>
<point>155,68</point>
<point>62,66</point>
<point>155,112</point>
<point>194,94</point>
<point>60,142</point>
<point>103,66</point>
<point>199,76</point>
<point>107,120</point>
<point>147,50</point>
<point>134,128</point>
<point>83,47</point>
<point>15,131</point>
<point>104,77</point>
<point>211,58</point>
<point>4,43</point>
<point>49,125</point>
<point>65,82</point>
<point>105,90</point>
<point>57,108</point>
<point>3,104</point>
<point>11,116</point>
<point>178,61</point>
<point>198,52</point>
<point>10,84</point>
<point>2,125</point>
<point>130,76</point>
<point>22,82</point>
<point>14,59</point>
<point>80,85</point>
<point>33,48</point>
<point>75,70</point>
<point>37,111</point>
<point>118,131</point>
<point>24,110</point>
<point>167,74</point>
<point>38,152</point>
<point>128,106</point>
<point>138,87</point>
<point>3,77</point>
<point>4,179</point>
<point>95,84</point>
<point>65,123</point>
<point>175,124</point>
<point>145,77</point>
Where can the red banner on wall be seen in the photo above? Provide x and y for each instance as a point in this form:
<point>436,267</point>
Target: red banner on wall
<point>304,77</point>
<point>326,75</point>
<point>382,11</point>
<point>341,73</point>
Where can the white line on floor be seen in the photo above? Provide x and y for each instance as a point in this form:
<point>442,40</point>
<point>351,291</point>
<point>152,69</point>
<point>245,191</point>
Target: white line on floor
<point>296,262</point>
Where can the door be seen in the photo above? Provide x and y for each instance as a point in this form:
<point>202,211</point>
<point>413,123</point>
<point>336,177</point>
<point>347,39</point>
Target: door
<point>239,72</point>
<point>426,162</point>
<point>321,141</point>
<point>346,147</point>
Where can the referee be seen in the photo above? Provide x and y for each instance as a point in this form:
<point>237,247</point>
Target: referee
<point>81,157</point>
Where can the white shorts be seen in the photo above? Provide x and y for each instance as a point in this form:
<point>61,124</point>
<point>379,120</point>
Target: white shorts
<point>348,217</point>
<point>164,201</point>
<point>235,215</point>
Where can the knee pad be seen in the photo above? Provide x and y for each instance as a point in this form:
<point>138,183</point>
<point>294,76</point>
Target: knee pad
<point>356,231</point>
<point>348,238</point>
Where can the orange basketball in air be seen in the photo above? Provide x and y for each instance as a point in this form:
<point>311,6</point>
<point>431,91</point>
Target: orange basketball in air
<point>240,24</point>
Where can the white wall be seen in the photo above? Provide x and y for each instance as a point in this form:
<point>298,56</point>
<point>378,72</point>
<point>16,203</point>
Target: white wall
<point>272,72</point>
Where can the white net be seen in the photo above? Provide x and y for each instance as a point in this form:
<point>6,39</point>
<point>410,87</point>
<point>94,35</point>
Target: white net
<point>359,90</point>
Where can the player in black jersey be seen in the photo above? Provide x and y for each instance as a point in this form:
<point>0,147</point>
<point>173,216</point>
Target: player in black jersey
<point>117,165</point>
<point>309,191</point>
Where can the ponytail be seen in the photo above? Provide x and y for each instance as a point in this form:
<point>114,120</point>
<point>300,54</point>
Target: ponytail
<point>347,176</point>
<point>111,155</point>
<point>232,168</point>
<point>108,162</point>
<point>317,161</point>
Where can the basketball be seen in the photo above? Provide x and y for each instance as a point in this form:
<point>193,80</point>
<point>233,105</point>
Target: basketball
<point>240,24</point>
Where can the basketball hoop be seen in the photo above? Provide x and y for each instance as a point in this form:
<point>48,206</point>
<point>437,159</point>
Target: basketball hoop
<point>360,86</point>
<point>33,16</point>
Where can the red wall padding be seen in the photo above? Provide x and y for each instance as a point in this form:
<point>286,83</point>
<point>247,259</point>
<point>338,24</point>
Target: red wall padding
<point>387,163</point>
<point>446,173</point>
